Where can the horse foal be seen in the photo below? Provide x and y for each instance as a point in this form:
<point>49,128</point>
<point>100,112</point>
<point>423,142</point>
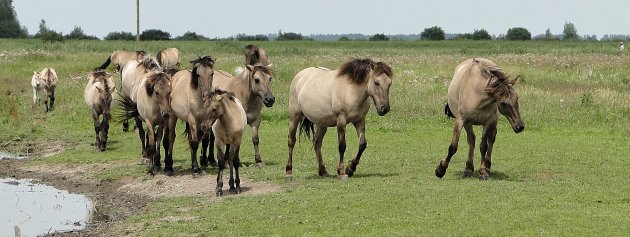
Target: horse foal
<point>98,96</point>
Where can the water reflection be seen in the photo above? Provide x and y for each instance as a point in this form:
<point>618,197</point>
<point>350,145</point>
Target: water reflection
<point>38,209</point>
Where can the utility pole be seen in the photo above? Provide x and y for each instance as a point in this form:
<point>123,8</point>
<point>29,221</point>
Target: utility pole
<point>137,24</point>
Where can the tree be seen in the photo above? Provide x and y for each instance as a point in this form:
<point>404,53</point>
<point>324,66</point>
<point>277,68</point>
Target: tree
<point>120,36</point>
<point>9,24</point>
<point>433,33</point>
<point>77,34</point>
<point>289,36</point>
<point>518,33</point>
<point>155,34</point>
<point>570,32</point>
<point>48,35</point>
<point>344,38</point>
<point>244,37</point>
<point>379,37</point>
<point>191,36</point>
<point>481,35</point>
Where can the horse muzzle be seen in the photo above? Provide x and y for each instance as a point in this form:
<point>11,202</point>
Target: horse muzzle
<point>165,115</point>
<point>269,100</point>
<point>382,110</point>
<point>518,128</point>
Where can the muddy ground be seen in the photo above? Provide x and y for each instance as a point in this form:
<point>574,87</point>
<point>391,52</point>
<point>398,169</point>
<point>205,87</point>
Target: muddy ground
<point>118,199</point>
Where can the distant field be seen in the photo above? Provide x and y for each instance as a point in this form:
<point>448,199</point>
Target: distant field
<point>566,174</point>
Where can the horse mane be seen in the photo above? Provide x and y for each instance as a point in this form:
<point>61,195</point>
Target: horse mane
<point>254,55</point>
<point>499,83</point>
<point>141,52</point>
<point>153,79</point>
<point>357,70</point>
<point>243,72</point>
<point>158,57</point>
<point>48,73</point>
<point>146,63</point>
<point>206,61</point>
<point>217,91</point>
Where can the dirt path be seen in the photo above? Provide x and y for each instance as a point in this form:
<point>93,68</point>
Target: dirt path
<point>116,200</point>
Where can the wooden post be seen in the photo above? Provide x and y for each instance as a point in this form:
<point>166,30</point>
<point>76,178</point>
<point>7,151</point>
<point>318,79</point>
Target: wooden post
<point>137,24</point>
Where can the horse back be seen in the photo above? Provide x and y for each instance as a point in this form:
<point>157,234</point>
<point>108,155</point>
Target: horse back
<point>230,127</point>
<point>466,91</point>
<point>222,80</point>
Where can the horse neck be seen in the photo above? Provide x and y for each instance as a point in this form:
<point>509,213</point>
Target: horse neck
<point>230,115</point>
<point>243,88</point>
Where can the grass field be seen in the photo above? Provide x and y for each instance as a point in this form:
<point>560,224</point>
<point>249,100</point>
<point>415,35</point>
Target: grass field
<point>566,174</point>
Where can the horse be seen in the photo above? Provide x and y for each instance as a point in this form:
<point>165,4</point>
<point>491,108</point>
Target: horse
<point>252,86</point>
<point>121,58</point>
<point>36,83</point>
<point>49,80</point>
<point>187,104</point>
<point>149,102</point>
<point>131,74</point>
<point>98,95</point>
<point>255,55</point>
<point>228,125</point>
<point>477,94</point>
<point>168,58</point>
<point>326,98</point>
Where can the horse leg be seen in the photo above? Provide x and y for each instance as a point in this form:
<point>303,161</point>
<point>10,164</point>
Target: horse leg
<point>256,141</point>
<point>157,165</point>
<point>46,98</point>
<point>151,147</point>
<point>221,162</point>
<point>470,138</point>
<point>341,137</point>
<point>237,163</point>
<point>452,149</point>
<point>104,129</point>
<point>168,157</point>
<point>193,142</point>
<point>142,136</point>
<point>97,143</point>
<point>35,98</point>
<point>235,186</point>
<point>490,133</point>
<point>360,127</point>
<point>317,144</point>
<point>209,143</point>
<point>293,124</point>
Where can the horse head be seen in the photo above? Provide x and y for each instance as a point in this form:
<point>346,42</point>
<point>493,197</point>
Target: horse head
<point>150,64</point>
<point>260,77</point>
<point>49,78</point>
<point>202,73</point>
<point>501,88</point>
<point>140,55</point>
<point>105,86</point>
<point>378,77</point>
<point>212,106</point>
<point>255,55</point>
<point>158,86</point>
<point>36,79</point>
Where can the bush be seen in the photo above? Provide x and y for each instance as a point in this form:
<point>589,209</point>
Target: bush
<point>244,37</point>
<point>518,33</point>
<point>379,37</point>
<point>289,36</point>
<point>191,36</point>
<point>155,34</point>
<point>120,36</point>
<point>78,34</point>
<point>344,38</point>
<point>51,36</point>
<point>481,35</point>
<point>433,33</point>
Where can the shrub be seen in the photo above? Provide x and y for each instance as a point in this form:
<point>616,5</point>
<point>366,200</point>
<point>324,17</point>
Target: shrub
<point>433,33</point>
<point>379,37</point>
<point>155,34</point>
<point>518,33</point>
<point>120,36</point>
<point>191,36</point>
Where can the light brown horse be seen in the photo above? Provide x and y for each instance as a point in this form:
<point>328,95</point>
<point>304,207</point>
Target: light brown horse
<point>168,58</point>
<point>98,95</point>
<point>149,103</point>
<point>131,74</point>
<point>121,58</point>
<point>252,87</point>
<point>36,83</point>
<point>328,98</point>
<point>224,108</point>
<point>187,104</point>
<point>478,93</point>
<point>49,80</point>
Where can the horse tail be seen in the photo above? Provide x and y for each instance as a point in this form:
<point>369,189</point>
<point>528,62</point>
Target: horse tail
<point>158,57</point>
<point>448,112</point>
<point>129,108</point>
<point>307,127</point>
<point>105,64</point>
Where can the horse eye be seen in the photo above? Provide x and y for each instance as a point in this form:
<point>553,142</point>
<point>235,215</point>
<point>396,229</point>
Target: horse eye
<point>376,83</point>
<point>257,80</point>
<point>270,78</point>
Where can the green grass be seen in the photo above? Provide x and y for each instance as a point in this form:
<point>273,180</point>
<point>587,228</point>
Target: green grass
<point>565,175</point>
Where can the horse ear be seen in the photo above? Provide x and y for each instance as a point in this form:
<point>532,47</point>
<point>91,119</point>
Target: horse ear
<point>250,67</point>
<point>270,65</point>
<point>514,81</point>
<point>149,88</point>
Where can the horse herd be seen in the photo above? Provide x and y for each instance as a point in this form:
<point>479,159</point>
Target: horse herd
<point>216,106</point>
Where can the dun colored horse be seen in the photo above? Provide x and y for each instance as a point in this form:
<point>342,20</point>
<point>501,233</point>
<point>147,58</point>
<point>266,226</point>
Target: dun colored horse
<point>252,87</point>
<point>49,80</point>
<point>131,74</point>
<point>36,83</point>
<point>224,108</point>
<point>121,58</point>
<point>98,95</point>
<point>187,104</point>
<point>149,102</point>
<point>478,93</point>
<point>326,98</point>
<point>168,58</point>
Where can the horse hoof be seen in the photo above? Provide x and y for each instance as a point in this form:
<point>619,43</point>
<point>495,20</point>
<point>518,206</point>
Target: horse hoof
<point>219,193</point>
<point>168,172</point>
<point>343,177</point>
<point>260,164</point>
<point>440,171</point>
<point>484,177</point>
<point>212,163</point>
<point>349,172</point>
<point>468,173</point>
<point>233,191</point>
<point>144,161</point>
<point>196,175</point>
<point>288,177</point>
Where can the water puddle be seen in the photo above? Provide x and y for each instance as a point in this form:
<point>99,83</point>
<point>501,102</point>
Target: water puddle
<point>7,155</point>
<point>37,209</point>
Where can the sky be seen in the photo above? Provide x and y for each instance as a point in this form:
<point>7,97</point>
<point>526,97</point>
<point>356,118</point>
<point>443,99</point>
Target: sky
<point>226,18</point>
